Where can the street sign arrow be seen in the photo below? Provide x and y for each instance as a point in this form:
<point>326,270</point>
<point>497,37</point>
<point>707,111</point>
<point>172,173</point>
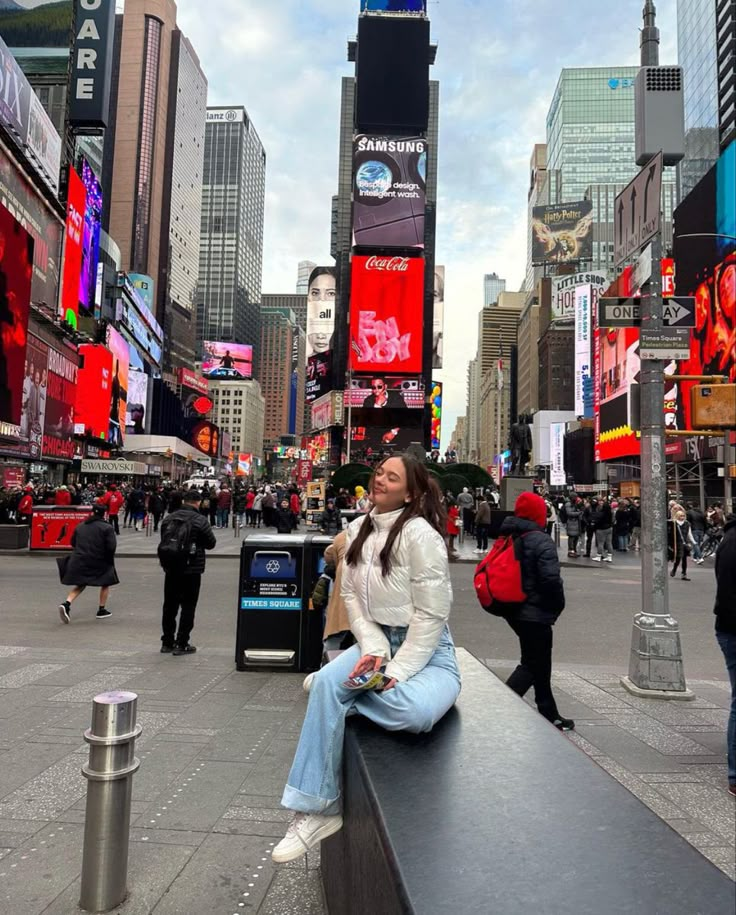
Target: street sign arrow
<point>638,208</point>
<point>679,311</point>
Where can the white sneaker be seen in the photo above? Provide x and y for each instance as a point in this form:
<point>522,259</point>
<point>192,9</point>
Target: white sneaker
<point>608,558</point>
<point>308,680</point>
<point>597,558</point>
<point>305,831</point>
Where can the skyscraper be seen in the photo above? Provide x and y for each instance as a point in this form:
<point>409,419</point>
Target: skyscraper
<point>696,43</point>
<point>726,43</point>
<point>182,203</point>
<point>141,100</point>
<point>303,272</point>
<point>493,286</point>
<point>231,249</point>
<point>282,346</point>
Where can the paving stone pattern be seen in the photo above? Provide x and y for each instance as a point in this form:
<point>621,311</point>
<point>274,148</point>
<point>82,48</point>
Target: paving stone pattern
<point>215,751</point>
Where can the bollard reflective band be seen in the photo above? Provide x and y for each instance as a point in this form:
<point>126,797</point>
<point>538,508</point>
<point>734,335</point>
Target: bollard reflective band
<point>96,741</point>
<point>94,776</point>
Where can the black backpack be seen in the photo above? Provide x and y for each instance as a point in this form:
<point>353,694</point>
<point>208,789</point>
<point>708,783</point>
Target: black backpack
<point>177,545</point>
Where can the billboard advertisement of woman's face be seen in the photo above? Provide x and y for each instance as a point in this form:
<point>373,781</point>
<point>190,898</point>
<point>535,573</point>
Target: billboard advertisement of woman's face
<point>321,305</point>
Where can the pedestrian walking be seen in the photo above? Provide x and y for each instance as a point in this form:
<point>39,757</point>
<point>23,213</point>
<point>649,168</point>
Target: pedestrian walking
<point>466,504</point>
<point>682,543</point>
<point>532,620</point>
<point>257,509</point>
<point>269,508</point>
<point>573,519</point>
<point>696,519</point>
<point>725,612</point>
<point>603,526</point>
<point>396,586</point>
<point>185,535</point>
<point>482,523</point>
<point>91,562</point>
<point>250,498</point>
<point>224,501</point>
<point>156,508</point>
<point>113,500</point>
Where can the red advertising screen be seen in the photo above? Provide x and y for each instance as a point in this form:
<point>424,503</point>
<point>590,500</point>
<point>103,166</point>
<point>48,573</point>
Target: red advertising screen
<point>92,409</point>
<point>52,528</point>
<point>75,208</point>
<point>16,271</point>
<point>61,393</point>
<point>387,314</point>
<point>119,386</point>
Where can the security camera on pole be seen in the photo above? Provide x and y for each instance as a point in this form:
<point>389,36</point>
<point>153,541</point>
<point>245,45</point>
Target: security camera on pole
<point>656,665</point>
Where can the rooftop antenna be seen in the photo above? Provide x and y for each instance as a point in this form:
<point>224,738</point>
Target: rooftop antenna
<point>650,36</point>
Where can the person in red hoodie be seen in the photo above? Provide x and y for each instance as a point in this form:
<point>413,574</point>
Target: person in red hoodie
<point>250,498</point>
<point>25,506</point>
<point>113,501</point>
<point>532,619</point>
<point>295,507</point>
<point>63,496</point>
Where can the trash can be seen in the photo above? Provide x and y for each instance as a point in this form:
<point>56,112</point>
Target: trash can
<point>275,627</point>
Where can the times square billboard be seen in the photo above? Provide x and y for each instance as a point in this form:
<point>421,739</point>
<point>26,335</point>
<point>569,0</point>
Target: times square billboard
<point>386,314</point>
<point>704,267</point>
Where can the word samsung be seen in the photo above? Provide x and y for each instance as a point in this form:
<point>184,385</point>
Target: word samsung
<point>384,144</point>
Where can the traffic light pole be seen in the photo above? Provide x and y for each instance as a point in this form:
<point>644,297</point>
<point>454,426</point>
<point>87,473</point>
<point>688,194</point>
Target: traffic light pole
<point>656,667</point>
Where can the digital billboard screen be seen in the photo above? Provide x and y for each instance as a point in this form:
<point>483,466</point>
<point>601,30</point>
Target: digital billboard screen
<point>385,392</point>
<point>61,394</point>
<point>321,304</point>
<point>375,433</point>
<point>436,410</point>
<point>135,413</point>
<point>90,238</point>
<point>438,317</point>
<point>35,390</point>
<point>227,360</point>
<point>393,6</point>
<point>389,191</point>
<point>16,271</point>
<point>387,314</point>
<point>562,234</point>
<point>94,391</point>
<point>75,208</point>
<point>118,386</point>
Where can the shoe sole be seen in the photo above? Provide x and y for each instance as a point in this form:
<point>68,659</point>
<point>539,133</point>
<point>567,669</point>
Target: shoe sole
<point>104,617</point>
<point>63,614</point>
<point>182,654</point>
<point>323,833</point>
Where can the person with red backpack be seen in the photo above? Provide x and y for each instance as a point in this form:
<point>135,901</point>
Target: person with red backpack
<point>520,580</point>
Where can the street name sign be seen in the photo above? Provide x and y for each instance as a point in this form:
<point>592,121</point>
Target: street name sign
<point>637,210</point>
<point>666,343</point>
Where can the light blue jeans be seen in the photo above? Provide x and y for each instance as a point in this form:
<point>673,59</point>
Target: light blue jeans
<point>727,641</point>
<point>416,705</point>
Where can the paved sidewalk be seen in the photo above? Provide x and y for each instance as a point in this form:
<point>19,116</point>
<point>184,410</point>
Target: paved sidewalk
<point>215,752</point>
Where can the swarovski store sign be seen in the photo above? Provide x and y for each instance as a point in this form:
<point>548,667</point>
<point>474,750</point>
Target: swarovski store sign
<point>116,468</point>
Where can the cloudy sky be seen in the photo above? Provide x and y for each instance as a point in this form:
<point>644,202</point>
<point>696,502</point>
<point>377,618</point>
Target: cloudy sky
<point>498,63</point>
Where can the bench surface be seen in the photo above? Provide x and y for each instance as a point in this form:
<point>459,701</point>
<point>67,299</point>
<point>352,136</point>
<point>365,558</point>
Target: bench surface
<point>496,811</point>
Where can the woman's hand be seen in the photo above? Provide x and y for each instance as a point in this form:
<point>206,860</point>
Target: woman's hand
<point>367,663</point>
<point>388,686</point>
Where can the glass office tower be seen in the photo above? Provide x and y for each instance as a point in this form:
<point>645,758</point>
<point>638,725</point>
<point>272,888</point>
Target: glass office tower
<point>696,42</point>
<point>231,248</point>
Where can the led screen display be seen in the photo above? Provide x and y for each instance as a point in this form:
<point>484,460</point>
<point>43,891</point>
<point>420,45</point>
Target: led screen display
<point>61,395</point>
<point>387,314</point>
<point>75,209</point>
<point>94,391</point>
<point>90,238</point>
<point>385,392</point>
<point>389,191</point>
<point>135,414</point>
<point>118,386</point>
<point>16,271</point>
<point>227,360</point>
<point>562,234</point>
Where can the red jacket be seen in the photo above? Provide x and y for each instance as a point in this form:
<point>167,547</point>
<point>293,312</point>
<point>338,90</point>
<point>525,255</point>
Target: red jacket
<point>250,499</point>
<point>452,527</point>
<point>25,506</point>
<point>294,504</point>
<point>63,497</point>
<point>114,501</point>
<point>224,499</point>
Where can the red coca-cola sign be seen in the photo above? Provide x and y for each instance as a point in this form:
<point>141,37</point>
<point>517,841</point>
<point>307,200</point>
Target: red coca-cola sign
<point>395,264</point>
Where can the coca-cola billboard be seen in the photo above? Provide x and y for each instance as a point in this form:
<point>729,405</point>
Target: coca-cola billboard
<point>387,314</point>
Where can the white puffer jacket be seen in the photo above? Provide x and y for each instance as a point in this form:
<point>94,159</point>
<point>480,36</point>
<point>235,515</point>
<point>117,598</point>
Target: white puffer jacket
<point>416,593</point>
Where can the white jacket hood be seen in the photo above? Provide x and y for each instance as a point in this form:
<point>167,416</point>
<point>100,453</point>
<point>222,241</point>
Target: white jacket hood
<point>416,593</point>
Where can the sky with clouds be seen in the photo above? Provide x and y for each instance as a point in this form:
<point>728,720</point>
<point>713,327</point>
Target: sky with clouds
<point>498,63</point>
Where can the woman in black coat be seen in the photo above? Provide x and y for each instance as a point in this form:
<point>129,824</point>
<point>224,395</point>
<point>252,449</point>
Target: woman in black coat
<point>92,562</point>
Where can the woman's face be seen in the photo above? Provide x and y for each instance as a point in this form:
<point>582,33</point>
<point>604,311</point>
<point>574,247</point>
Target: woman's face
<point>320,313</point>
<point>389,490</point>
<point>320,342</point>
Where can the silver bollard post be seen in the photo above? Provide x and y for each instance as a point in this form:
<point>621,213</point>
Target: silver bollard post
<point>109,772</point>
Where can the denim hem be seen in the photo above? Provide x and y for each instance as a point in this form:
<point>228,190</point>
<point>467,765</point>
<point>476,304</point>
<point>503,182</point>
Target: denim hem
<point>293,799</point>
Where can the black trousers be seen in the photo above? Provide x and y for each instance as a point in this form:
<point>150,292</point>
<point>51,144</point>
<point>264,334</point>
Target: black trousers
<point>179,591</point>
<point>115,523</point>
<point>535,668</point>
<point>482,532</point>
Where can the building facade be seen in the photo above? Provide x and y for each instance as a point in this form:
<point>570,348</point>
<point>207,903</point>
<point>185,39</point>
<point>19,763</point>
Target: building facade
<point>139,155</point>
<point>556,352</point>
<point>493,286</point>
<point>697,55</point>
<point>240,409</point>
<point>528,333</point>
<point>726,45</point>
<point>279,345</point>
<point>182,203</point>
<point>304,270</point>
<point>231,247</point>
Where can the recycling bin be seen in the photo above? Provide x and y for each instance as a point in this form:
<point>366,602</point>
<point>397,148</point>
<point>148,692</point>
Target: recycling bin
<point>276,629</point>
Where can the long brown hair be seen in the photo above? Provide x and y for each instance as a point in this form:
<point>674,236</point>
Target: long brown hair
<point>425,501</point>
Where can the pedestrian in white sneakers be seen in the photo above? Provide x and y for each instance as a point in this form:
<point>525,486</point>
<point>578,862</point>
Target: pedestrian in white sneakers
<point>91,563</point>
<point>396,586</point>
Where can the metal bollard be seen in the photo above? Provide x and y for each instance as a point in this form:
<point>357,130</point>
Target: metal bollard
<point>109,772</point>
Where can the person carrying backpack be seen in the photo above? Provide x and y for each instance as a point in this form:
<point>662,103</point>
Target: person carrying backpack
<point>539,600</point>
<point>185,535</point>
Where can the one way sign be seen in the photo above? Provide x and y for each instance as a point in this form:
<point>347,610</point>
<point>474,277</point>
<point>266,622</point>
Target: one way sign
<point>679,311</point>
<point>637,210</point>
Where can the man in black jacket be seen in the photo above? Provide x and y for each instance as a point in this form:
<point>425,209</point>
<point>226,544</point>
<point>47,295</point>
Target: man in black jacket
<point>533,619</point>
<point>696,519</point>
<point>725,611</point>
<point>603,523</point>
<point>184,576</point>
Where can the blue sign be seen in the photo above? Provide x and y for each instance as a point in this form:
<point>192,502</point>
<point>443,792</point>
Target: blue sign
<point>622,83</point>
<point>270,603</point>
<point>393,6</point>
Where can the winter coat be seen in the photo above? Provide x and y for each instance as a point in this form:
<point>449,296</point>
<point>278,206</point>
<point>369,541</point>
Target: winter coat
<point>330,523</point>
<point>201,531</point>
<point>113,499</point>
<point>336,618</point>
<point>240,502</point>
<point>453,528</point>
<point>465,501</point>
<point>295,506</point>
<point>622,522</point>
<point>285,521</point>
<point>258,503</point>
<point>540,573</point>
<point>92,561</point>
<point>483,515</point>
<point>602,517</point>
<point>416,593</point>
<point>573,520</point>
<point>696,519</point>
<point>682,538</point>
<point>224,500</point>
<point>63,497</point>
<point>250,498</point>
<point>725,606</point>
<point>155,504</point>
